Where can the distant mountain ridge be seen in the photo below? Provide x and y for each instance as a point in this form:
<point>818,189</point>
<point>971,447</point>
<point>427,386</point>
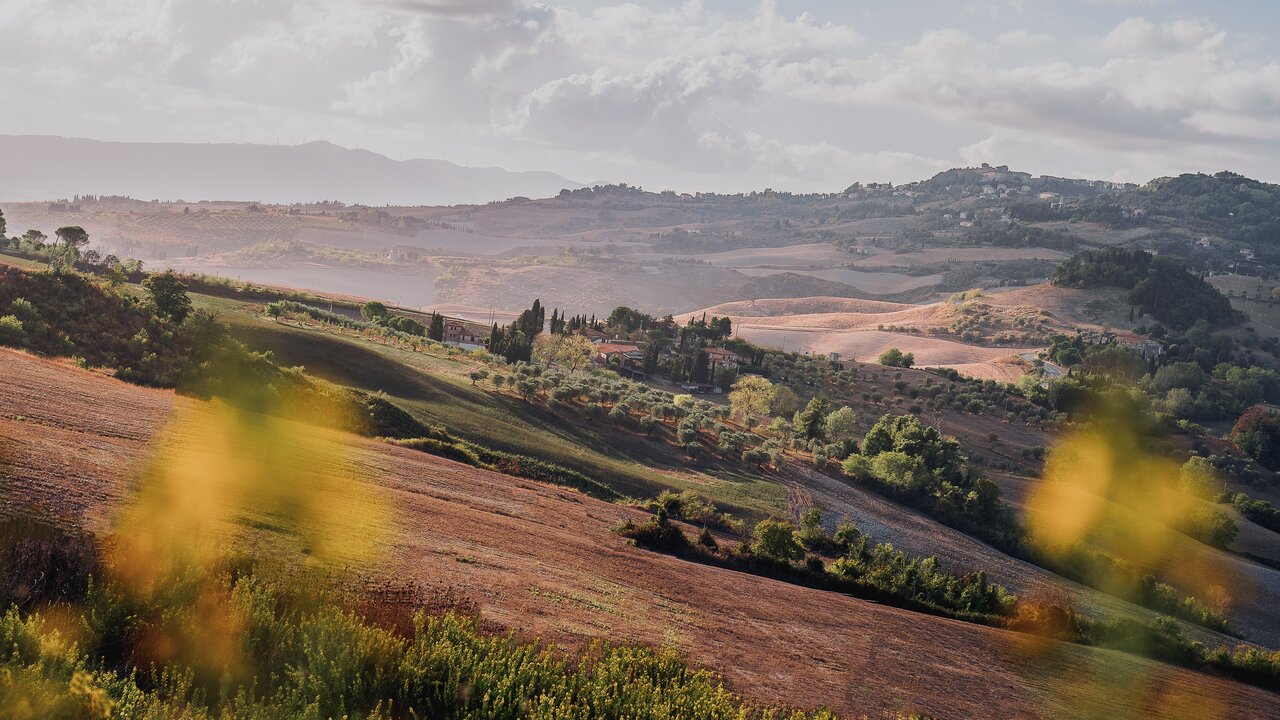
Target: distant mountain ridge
<point>41,167</point>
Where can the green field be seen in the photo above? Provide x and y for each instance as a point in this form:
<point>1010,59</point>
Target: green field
<point>433,386</point>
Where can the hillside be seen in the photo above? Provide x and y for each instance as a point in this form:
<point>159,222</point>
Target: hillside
<point>543,561</point>
<point>592,249</point>
<point>985,336</point>
<point>47,167</point>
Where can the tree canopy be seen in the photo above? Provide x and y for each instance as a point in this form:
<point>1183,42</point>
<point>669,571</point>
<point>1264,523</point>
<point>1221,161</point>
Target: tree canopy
<point>169,296</point>
<point>893,357</point>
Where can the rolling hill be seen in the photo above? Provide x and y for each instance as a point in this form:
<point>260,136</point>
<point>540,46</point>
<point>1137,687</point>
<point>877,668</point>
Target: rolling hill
<point>543,561</point>
<point>46,167</point>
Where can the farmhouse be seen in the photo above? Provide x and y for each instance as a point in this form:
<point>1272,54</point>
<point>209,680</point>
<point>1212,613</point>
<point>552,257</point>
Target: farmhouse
<point>1145,347</point>
<point>618,352</point>
<point>722,358</point>
<point>627,358</point>
<point>465,333</point>
<point>594,335</point>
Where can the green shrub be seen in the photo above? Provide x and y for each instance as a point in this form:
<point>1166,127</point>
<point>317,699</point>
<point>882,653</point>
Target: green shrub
<point>776,540</point>
<point>12,334</point>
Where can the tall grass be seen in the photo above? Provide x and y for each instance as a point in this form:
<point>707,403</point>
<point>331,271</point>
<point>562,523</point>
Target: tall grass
<point>305,659</point>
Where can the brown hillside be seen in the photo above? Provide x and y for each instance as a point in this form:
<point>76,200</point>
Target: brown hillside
<point>544,561</point>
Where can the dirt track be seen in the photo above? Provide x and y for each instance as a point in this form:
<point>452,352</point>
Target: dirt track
<point>543,561</point>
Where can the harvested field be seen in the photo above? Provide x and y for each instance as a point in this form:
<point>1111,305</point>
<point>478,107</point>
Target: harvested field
<point>810,255</point>
<point>1006,370</point>
<point>876,283</point>
<point>776,307</point>
<point>543,561</point>
<point>925,258</point>
<point>1067,308</point>
<point>583,289</point>
<point>869,344</point>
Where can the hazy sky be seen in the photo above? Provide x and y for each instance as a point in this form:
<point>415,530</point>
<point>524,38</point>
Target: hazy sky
<point>715,95</point>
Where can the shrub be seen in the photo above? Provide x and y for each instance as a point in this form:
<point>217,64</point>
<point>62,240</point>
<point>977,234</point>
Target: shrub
<point>12,333</point>
<point>656,533</point>
<point>893,357</point>
<point>776,540</point>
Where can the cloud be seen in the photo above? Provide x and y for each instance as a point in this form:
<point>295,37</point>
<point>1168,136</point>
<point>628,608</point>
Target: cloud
<point>1023,38</point>
<point>708,91</point>
<point>453,8</point>
<point>1140,35</point>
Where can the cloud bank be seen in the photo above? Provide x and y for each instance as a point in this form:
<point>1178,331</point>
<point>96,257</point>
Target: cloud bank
<point>670,94</point>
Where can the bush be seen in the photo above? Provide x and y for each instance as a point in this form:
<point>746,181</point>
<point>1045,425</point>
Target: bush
<point>650,424</point>
<point>893,357</point>
<point>12,334</point>
<point>656,533</point>
<point>776,540</point>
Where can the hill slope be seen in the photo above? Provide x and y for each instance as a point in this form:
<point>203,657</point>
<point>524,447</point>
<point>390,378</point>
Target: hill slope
<point>44,167</point>
<point>543,561</point>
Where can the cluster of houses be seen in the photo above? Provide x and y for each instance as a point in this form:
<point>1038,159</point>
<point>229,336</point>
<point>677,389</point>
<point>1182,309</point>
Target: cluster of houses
<point>1146,347</point>
<point>628,358</point>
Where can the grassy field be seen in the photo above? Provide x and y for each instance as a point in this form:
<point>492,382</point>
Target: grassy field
<point>433,386</point>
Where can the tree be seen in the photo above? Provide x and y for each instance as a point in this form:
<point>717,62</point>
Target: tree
<point>701,367</point>
<point>776,540</point>
<point>906,434</point>
<point>168,296</point>
<point>1198,477</point>
<point>810,423</point>
<point>477,375</point>
<point>546,349</point>
<point>373,311</point>
<point>406,325</point>
<point>842,423</point>
<point>785,402</point>
<point>893,357</point>
<point>437,327</point>
<point>3,227</point>
<point>72,236</point>
<point>1258,434</point>
<point>751,395</point>
<point>62,258</point>
<point>572,352</point>
<point>576,352</point>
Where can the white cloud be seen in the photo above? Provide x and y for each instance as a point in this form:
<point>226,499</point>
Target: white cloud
<point>1140,35</point>
<point>1024,38</point>
<point>725,96</point>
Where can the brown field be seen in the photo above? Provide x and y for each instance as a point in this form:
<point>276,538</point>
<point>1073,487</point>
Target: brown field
<point>867,345</point>
<point>809,255</point>
<point>853,328</point>
<point>1067,309</point>
<point>586,290</point>
<point>543,561</point>
<point>776,307</point>
<point>861,328</point>
<point>922,258</point>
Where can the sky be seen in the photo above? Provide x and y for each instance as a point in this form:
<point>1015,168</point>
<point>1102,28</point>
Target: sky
<point>708,95</point>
